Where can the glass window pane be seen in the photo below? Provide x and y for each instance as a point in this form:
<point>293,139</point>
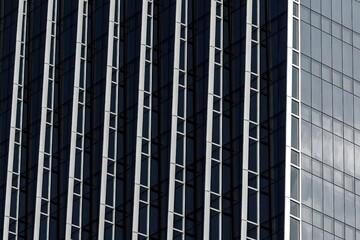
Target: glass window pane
<point>316,139</point>
<point>315,40</point>
<point>357,207</point>
<point>306,190</point>
<point>336,10</point>
<point>294,208</point>
<point>347,59</point>
<point>306,87</point>
<point>294,132</point>
<point>296,33</point>
<point>356,60</point>
<point>305,137</point>
<point>356,16</point>
<point>317,193</point>
<point>327,98</point>
<point>316,93</point>
<point>337,53</point>
<point>349,157</point>
<point>294,183</point>
<point>337,103</point>
<point>338,153</point>
<point>294,229</point>
<point>305,38</point>
<point>295,82</point>
<point>328,198</point>
<point>327,148</point>
<point>326,48</point>
<point>339,203</point>
<point>356,112</point>
<point>349,208</point>
<point>326,8</point>
<point>348,108</point>
<point>306,231</point>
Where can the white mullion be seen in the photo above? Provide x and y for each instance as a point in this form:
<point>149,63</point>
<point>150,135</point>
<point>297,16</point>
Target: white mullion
<point>221,117</point>
<point>115,149</point>
<point>258,120</point>
<point>255,172</point>
<point>174,122</point>
<point>139,134</point>
<point>209,122</point>
<point>289,115</point>
<point>75,111</point>
<point>220,162</point>
<point>150,18</point>
<point>18,82</point>
<point>83,104</point>
<point>51,18</point>
<point>246,121</point>
<point>107,128</point>
<point>288,120</point>
<point>300,125</point>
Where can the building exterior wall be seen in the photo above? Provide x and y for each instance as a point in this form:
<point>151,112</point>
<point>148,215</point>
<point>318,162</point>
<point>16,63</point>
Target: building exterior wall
<point>180,119</point>
<point>330,119</point>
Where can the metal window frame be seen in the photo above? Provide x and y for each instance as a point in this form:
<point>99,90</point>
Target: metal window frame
<point>80,66</point>
<point>111,68</point>
<point>180,25</point>
<point>290,98</point>
<point>15,123</point>
<point>147,18</point>
<point>211,112</point>
<point>249,91</point>
<point>46,109</point>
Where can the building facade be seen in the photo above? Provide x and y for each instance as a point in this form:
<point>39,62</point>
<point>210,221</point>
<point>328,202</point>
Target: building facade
<point>330,117</point>
<point>180,119</point>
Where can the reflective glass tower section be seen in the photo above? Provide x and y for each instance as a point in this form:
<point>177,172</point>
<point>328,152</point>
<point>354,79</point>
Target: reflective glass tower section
<point>330,119</point>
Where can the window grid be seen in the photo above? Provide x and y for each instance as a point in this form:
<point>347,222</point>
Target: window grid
<point>74,204</point>
<point>141,217</point>
<point>108,178</point>
<point>15,148</point>
<point>178,136</point>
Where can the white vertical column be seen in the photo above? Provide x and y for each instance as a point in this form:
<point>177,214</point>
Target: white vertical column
<point>75,185</point>
<point>178,134</point>
<point>253,170</point>
<point>293,125</point>
<point>42,208</point>
<point>11,212</point>
<point>141,210</point>
<point>213,158</point>
<point>109,156</point>
<point>250,167</point>
<point>209,122</point>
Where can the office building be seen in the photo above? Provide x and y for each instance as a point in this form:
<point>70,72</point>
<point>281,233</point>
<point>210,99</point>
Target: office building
<point>180,119</point>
